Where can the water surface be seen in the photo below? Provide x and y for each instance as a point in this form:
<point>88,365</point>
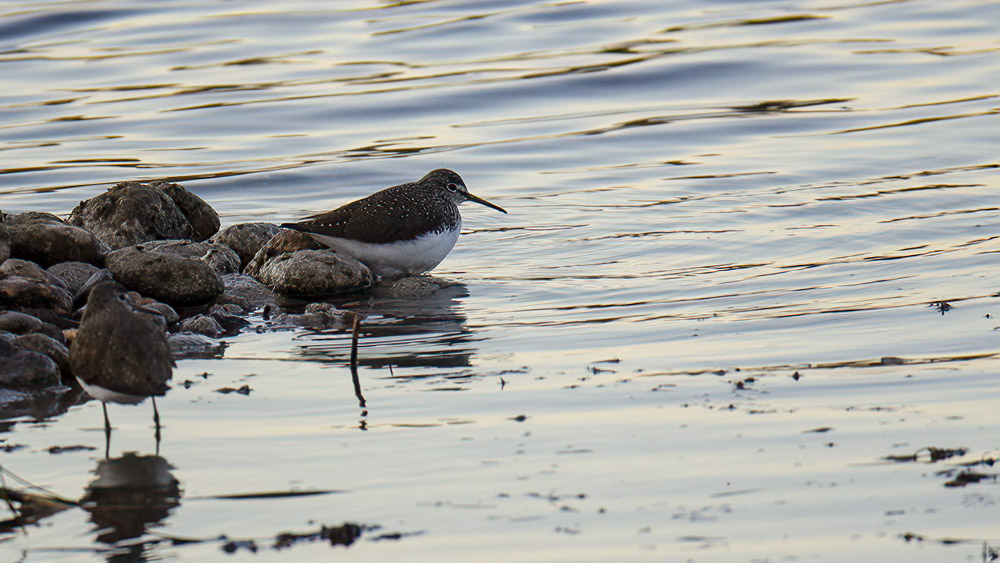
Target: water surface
<point>706,199</point>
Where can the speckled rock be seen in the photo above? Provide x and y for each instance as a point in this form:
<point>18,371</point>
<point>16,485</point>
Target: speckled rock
<point>133,212</point>
<point>24,286</point>
<point>4,243</point>
<point>317,316</point>
<point>169,278</point>
<point>202,324</point>
<point>190,345</point>
<point>15,322</point>
<point>246,239</point>
<point>46,239</point>
<point>221,258</point>
<point>166,311</point>
<point>73,274</point>
<point>203,219</point>
<point>314,272</point>
<point>246,292</point>
<point>24,368</point>
<point>229,316</point>
<point>47,346</point>
<point>284,242</point>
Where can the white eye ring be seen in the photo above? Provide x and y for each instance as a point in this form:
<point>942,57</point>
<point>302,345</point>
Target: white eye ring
<point>452,187</point>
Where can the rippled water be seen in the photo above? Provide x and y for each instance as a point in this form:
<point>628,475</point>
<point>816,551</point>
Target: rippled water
<point>706,198</point>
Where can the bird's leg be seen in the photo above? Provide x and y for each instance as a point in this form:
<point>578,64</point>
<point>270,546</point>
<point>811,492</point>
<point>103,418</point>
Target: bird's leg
<point>156,423</point>
<point>107,431</point>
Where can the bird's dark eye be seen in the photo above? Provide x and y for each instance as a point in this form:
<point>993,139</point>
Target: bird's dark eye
<point>452,187</point>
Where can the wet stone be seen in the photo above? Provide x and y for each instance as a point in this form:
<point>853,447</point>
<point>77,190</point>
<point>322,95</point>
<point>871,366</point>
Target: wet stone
<point>47,240</point>
<point>203,219</point>
<point>47,346</point>
<point>31,295</point>
<point>24,368</point>
<point>73,274</point>
<point>229,316</point>
<point>130,213</point>
<point>169,278</point>
<point>246,292</point>
<point>202,324</point>
<point>246,239</point>
<point>15,322</point>
<point>190,345</point>
<point>221,258</point>
<point>4,243</point>
<point>314,272</point>
<point>284,242</point>
<point>317,316</point>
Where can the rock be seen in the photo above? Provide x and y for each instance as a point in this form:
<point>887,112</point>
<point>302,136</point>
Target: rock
<point>415,288</point>
<point>284,242</point>
<point>318,316</point>
<point>246,292</point>
<point>73,274</point>
<point>47,240</point>
<point>190,345</point>
<point>203,219</point>
<point>30,295</point>
<point>24,368</point>
<point>169,278</point>
<point>220,257</point>
<point>16,322</point>
<point>202,324</point>
<point>314,272</point>
<point>246,239</point>
<point>229,316</point>
<point>132,212</point>
<point>80,297</point>
<point>166,311</point>
<point>19,323</point>
<point>25,269</point>
<point>4,243</point>
<point>47,346</point>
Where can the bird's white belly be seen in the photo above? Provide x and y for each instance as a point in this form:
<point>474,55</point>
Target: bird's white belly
<point>397,258</point>
<point>109,396</point>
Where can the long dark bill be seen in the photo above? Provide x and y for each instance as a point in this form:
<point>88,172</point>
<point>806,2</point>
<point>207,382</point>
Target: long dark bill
<point>482,201</point>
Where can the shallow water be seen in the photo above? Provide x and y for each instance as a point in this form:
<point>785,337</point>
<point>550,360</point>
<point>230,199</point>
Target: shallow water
<point>699,193</point>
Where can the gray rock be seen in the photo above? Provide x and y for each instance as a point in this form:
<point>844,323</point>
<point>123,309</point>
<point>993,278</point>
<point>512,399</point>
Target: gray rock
<point>47,346</point>
<point>24,368</point>
<point>169,278</point>
<point>246,292</point>
<point>81,295</point>
<point>246,239</point>
<point>284,242</point>
<point>314,272</point>
<point>166,311</point>
<point>317,316</point>
<point>26,269</point>
<point>4,243</point>
<point>202,324</point>
<point>73,274</point>
<point>15,322</point>
<point>203,219</point>
<point>229,316</point>
<point>19,323</point>
<point>47,240</point>
<point>26,287</point>
<point>220,257</point>
<point>190,345</point>
<point>130,213</point>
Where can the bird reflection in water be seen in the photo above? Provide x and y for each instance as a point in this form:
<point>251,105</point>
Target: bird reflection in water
<point>412,322</point>
<point>129,495</point>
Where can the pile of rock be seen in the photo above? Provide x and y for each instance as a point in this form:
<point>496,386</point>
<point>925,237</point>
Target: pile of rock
<point>164,244</point>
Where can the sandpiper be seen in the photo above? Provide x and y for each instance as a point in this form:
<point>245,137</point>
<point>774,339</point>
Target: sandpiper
<point>399,231</point>
<point>120,353</point>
